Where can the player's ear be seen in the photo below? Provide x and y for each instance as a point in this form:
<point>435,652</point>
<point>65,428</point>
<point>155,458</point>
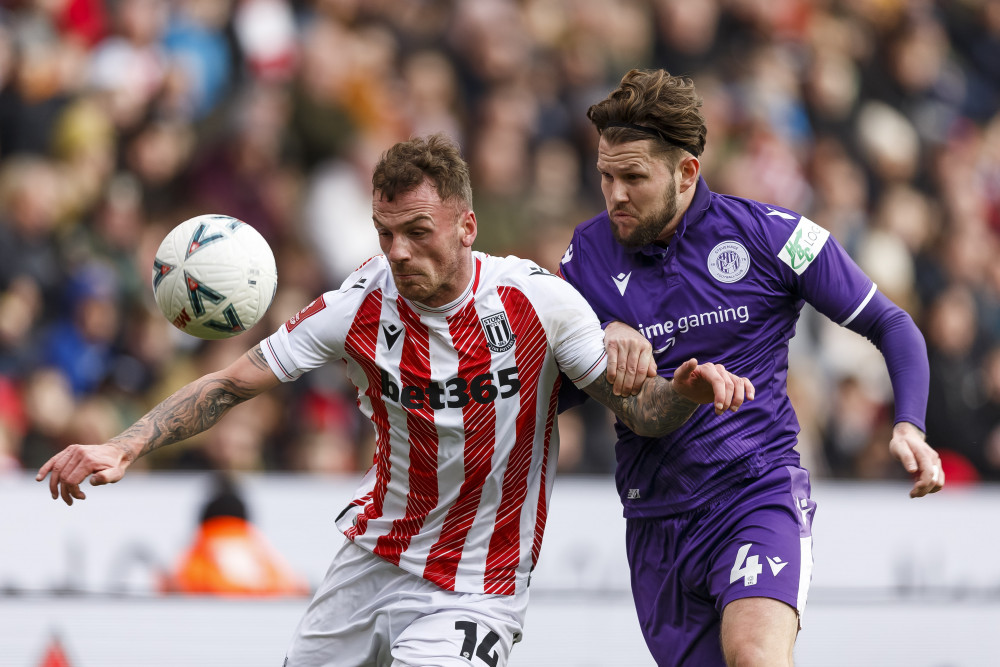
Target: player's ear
<point>688,170</point>
<point>468,228</point>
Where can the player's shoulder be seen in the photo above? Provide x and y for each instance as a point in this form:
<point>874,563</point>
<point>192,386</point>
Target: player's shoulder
<point>762,225</point>
<point>374,264</point>
<point>374,273</point>
<point>593,224</point>
<point>592,244</point>
<point>753,211</point>
<point>336,308</point>
<point>596,228</point>
<point>513,270</point>
<point>540,286</point>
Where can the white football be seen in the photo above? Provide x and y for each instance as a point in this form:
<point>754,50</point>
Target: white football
<point>214,276</point>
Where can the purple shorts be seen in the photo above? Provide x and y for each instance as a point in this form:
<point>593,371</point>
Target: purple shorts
<point>686,568</point>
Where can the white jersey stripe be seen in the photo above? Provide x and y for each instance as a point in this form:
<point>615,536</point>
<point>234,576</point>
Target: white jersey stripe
<point>422,496</point>
<point>857,311</point>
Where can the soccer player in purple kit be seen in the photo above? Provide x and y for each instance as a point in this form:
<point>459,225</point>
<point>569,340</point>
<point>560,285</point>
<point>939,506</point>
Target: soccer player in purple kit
<point>718,512</point>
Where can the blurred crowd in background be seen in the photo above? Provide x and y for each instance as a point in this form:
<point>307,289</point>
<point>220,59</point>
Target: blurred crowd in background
<point>119,119</point>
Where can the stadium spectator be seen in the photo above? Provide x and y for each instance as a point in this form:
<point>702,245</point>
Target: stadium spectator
<point>80,344</point>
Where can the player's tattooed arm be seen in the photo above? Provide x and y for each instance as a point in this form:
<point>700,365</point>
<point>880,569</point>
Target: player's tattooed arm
<point>256,358</point>
<point>661,406</point>
<point>189,410</point>
<point>655,411</point>
<point>197,406</point>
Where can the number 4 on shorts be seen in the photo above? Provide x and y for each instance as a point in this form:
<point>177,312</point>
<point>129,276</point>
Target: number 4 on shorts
<point>483,652</point>
<point>748,568</point>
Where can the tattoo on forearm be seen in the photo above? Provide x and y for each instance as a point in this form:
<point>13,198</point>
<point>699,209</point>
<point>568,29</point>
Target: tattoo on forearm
<point>256,357</point>
<point>188,411</point>
<point>656,411</point>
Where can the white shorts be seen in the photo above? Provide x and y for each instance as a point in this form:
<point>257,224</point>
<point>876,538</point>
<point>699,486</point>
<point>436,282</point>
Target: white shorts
<point>370,613</point>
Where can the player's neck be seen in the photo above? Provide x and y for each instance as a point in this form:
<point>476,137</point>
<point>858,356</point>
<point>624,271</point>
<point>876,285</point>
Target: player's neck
<point>455,293</point>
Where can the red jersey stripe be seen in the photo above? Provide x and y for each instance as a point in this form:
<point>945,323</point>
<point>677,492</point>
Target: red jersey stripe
<point>422,496</point>
<point>474,359</point>
<point>505,548</point>
<point>360,345</point>
<point>475,281</point>
<point>543,510</point>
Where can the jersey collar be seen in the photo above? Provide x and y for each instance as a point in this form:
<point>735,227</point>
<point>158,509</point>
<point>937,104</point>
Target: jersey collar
<point>449,308</point>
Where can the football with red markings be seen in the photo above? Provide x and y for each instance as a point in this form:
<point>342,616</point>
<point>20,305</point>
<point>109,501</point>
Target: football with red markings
<point>214,276</point>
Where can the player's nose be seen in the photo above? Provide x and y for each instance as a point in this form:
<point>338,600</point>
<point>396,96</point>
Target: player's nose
<point>398,251</point>
<point>618,193</point>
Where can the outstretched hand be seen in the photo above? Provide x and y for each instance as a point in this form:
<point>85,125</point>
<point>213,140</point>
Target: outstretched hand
<point>105,464</point>
<point>712,383</point>
<point>910,448</point>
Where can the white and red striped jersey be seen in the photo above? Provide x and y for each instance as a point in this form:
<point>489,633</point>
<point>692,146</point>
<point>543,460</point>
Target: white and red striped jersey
<point>463,401</point>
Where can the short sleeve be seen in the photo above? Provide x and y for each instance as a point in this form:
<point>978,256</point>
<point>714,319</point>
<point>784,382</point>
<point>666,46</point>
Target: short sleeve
<point>574,332</point>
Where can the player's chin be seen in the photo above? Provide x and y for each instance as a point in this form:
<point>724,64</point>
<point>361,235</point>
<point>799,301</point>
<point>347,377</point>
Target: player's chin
<point>412,289</point>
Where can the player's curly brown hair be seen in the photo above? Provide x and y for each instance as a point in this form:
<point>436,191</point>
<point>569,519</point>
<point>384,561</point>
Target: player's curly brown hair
<point>652,104</point>
<point>404,167</point>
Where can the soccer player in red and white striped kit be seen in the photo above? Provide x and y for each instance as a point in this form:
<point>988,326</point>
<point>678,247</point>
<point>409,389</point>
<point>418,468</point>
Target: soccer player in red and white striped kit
<point>456,356</point>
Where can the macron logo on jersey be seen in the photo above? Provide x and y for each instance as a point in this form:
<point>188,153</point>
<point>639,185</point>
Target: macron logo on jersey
<point>621,281</point>
<point>777,565</point>
<point>803,246</point>
<point>568,255</point>
<point>392,333</point>
<point>539,271</point>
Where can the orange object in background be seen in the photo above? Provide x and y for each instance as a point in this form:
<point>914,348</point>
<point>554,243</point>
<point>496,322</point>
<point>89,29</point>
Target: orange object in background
<point>229,556</point>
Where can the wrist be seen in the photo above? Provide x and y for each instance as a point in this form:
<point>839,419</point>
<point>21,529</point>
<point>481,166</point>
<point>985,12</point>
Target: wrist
<point>682,399</point>
<point>128,454</point>
<point>904,428</point>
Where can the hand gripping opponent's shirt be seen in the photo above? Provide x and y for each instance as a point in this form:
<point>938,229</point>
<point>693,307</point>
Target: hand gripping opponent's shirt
<point>728,289</point>
<point>463,401</point>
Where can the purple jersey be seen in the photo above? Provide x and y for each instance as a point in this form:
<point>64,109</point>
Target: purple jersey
<point>728,289</point>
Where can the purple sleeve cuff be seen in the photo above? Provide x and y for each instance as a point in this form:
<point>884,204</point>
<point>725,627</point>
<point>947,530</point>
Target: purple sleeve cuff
<point>899,340</point>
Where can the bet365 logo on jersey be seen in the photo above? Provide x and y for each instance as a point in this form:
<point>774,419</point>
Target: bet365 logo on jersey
<point>453,393</point>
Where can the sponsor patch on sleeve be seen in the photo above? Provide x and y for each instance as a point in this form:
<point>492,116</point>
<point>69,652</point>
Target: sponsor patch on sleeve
<point>317,305</point>
<point>803,246</point>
